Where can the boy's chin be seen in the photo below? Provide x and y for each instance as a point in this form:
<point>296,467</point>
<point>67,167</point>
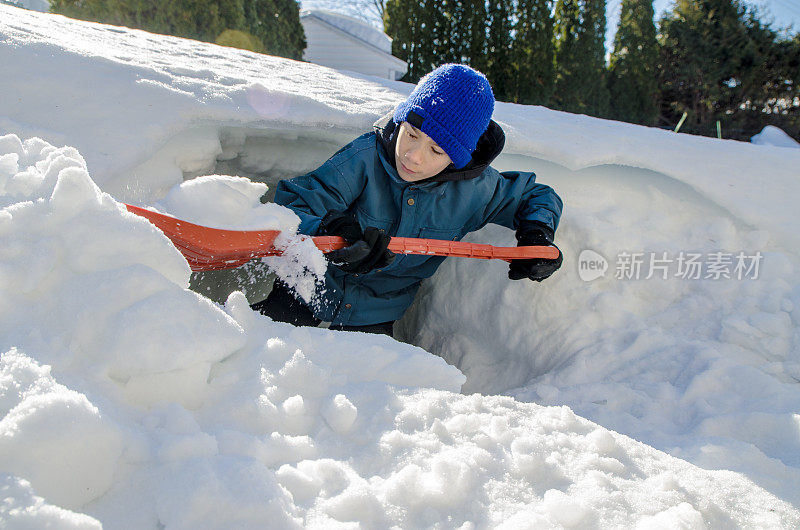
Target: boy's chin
<point>409,178</point>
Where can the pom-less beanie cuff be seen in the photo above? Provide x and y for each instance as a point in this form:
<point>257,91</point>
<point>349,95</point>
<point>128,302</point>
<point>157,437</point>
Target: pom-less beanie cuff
<point>453,105</point>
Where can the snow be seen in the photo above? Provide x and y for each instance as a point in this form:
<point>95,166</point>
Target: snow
<point>23,510</point>
<point>128,400</point>
<point>774,136</point>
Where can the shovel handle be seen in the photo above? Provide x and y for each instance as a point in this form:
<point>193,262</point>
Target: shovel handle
<point>208,248</point>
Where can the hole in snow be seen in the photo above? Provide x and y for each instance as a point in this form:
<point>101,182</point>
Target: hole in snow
<point>501,334</point>
<point>261,154</point>
<point>656,359</point>
<point>506,335</point>
<point>267,156</point>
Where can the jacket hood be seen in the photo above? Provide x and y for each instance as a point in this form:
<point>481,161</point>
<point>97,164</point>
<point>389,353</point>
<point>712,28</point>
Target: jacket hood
<point>489,146</point>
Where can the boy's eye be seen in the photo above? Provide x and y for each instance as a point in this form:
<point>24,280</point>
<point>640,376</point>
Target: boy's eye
<point>436,151</point>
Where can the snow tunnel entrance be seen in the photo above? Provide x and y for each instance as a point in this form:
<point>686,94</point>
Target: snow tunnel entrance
<point>265,154</point>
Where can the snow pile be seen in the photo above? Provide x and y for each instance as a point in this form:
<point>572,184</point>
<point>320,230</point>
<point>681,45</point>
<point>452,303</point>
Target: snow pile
<point>165,106</point>
<point>706,369</point>
<point>774,136</point>
<point>21,509</point>
<point>129,398</point>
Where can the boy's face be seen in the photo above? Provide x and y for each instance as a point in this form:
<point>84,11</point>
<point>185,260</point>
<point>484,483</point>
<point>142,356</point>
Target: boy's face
<point>416,155</point>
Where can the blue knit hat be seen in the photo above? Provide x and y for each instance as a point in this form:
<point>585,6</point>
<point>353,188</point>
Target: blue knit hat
<point>453,105</point>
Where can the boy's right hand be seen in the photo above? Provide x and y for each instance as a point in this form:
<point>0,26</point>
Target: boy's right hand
<point>364,255</point>
<point>368,249</point>
<point>336,223</point>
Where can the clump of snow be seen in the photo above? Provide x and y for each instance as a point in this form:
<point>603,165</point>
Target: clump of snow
<point>234,203</point>
<point>774,136</point>
<point>53,435</point>
<point>22,509</point>
<point>222,201</point>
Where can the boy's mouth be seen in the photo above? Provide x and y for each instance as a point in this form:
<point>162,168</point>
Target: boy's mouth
<point>406,168</point>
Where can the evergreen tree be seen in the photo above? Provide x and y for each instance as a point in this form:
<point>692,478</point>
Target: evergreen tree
<point>699,42</point>
<point>402,21</point>
<point>195,19</point>
<point>475,41</point>
<point>240,39</point>
<point>428,33</point>
<point>633,83</point>
<point>500,70</point>
<point>580,57</point>
<point>719,62</point>
<point>533,52</point>
<point>274,23</point>
<point>458,31</point>
<point>443,32</point>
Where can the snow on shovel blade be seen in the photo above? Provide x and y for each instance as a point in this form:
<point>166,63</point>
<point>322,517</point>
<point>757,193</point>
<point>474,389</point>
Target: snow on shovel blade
<point>208,248</point>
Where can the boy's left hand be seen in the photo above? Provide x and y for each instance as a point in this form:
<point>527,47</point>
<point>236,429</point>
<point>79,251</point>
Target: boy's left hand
<point>536,269</point>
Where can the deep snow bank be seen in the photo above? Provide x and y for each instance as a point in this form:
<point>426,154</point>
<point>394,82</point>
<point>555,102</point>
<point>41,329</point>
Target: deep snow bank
<point>705,368</point>
<point>156,408</point>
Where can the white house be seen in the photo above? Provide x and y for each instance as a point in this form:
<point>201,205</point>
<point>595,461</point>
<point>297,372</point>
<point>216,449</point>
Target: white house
<point>346,43</point>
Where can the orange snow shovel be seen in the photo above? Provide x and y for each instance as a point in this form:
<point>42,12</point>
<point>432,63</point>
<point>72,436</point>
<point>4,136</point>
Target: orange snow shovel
<point>209,249</point>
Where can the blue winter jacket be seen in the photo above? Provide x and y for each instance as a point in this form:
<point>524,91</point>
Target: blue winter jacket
<point>361,180</point>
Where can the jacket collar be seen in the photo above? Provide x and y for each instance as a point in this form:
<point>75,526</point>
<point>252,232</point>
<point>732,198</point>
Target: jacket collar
<point>489,146</point>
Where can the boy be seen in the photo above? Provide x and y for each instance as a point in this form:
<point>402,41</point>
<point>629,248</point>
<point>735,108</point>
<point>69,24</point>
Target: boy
<point>424,172</point>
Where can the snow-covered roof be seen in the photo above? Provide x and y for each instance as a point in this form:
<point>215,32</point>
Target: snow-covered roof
<point>357,28</point>
<point>36,5</point>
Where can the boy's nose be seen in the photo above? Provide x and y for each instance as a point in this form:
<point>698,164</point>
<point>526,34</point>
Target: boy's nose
<point>414,156</point>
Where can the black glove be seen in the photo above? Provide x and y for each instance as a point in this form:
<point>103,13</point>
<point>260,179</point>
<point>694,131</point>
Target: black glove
<point>368,249</point>
<point>537,269</point>
<point>336,223</point>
